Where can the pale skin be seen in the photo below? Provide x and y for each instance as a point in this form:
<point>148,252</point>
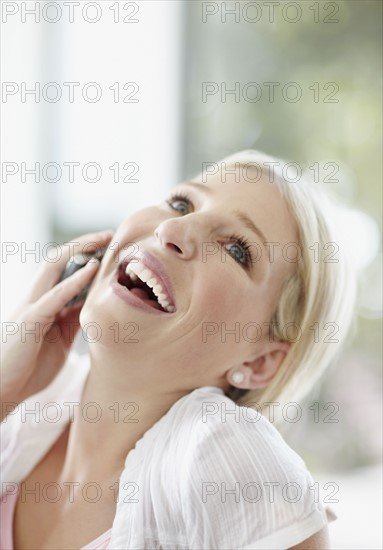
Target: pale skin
<point>169,363</point>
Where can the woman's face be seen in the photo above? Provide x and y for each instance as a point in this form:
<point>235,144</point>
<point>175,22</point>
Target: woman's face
<point>225,282</point>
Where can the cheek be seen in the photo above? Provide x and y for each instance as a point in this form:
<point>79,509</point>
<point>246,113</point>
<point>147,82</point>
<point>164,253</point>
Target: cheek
<point>137,225</point>
<point>225,297</point>
<point>220,296</point>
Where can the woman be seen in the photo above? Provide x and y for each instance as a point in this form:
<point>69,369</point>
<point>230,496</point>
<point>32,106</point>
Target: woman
<point>154,451</point>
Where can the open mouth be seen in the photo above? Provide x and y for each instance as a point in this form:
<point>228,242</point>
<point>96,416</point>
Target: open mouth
<point>145,285</point>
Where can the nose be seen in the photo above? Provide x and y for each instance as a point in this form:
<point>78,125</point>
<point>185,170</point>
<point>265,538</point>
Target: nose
<point>178,235</point>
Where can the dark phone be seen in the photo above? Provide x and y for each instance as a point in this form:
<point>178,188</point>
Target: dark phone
<point>75,263</point>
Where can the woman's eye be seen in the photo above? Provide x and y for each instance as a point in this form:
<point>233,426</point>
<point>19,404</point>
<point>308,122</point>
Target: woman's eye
<point>180,203</point>
<point>181,206</point>
<point>236,252</point>
<point>238,249</point>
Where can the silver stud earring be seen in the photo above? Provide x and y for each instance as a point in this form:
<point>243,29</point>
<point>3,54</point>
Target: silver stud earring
<point>238,377</point>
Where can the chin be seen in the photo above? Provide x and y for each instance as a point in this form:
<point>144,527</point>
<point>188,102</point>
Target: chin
<point>95,324</point>
<point>102,321</point>
<point>95,313</point>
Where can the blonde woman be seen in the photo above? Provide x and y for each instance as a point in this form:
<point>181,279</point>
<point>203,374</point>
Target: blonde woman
<point>156,437</point>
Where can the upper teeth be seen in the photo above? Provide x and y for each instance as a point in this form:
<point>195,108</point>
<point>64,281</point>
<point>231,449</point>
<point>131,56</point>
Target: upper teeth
<point>138,269</point>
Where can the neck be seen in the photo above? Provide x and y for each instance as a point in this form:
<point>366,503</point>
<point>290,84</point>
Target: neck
<point>116,409</point>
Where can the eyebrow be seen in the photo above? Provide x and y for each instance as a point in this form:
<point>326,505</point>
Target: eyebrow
<point>241,216</point>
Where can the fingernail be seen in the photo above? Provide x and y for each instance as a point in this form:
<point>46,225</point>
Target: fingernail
<point>93,261</point>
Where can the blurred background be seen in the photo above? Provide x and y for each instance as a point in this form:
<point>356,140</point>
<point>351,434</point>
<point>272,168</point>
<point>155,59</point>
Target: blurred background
<point>107,105</point>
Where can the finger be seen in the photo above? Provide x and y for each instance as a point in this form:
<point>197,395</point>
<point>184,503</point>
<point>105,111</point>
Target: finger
<point>68,321</point>
<point>49,273</point>
<point>53,301</point>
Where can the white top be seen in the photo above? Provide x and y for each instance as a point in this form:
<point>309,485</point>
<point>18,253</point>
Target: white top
<point>197,479</point>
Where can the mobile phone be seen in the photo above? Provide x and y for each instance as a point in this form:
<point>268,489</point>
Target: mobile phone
<point>75,263</point>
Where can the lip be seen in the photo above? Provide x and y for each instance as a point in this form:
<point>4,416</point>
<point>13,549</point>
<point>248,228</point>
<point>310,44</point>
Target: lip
<point>152,263</point>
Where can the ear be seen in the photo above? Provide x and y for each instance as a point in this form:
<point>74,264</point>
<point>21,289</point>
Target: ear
<point>259,371</point>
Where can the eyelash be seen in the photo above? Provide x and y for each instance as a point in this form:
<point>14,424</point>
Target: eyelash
<point>237,239</point>
<point>179,197</point>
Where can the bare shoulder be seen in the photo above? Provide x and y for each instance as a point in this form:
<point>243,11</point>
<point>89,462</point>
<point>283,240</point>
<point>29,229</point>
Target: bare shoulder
<point>319,541</point>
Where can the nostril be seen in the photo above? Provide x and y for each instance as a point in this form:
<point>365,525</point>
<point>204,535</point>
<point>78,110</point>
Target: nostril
<point>174,247</point>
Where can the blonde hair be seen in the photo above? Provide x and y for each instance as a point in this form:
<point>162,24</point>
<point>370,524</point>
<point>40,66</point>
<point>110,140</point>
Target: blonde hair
<point>318,298</point>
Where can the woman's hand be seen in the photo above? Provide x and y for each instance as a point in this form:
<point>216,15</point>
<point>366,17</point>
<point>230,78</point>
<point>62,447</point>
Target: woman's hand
<point>30,360</point>
<point>319,541</point>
